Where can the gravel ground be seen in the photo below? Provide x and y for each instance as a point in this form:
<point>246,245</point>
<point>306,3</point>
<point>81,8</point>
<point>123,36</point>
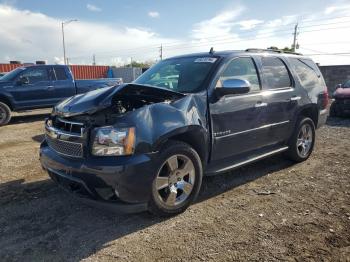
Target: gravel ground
<point>270,211</point>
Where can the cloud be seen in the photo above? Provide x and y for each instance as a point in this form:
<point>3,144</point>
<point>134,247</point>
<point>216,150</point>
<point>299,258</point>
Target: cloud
<point>35,36</point>
<point>226,31</point>
<point>153,14</point>
<point>249,24</point>
<point>93,8</point>
<point>220,24</point>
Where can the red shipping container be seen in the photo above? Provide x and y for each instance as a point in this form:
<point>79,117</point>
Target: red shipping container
<point>89,72</point>
<point>8,67</point>
<point>79,71</point>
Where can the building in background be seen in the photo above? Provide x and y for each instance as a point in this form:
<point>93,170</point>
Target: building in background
<point>128,74</point>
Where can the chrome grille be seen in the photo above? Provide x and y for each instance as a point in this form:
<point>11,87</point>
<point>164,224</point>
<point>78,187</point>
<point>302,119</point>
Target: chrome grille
<point>65,147</point>
<point>65,137</point>
<point>73,128</point>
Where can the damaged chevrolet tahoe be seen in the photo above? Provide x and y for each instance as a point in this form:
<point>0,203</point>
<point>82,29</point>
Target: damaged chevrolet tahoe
<point>146,145</point>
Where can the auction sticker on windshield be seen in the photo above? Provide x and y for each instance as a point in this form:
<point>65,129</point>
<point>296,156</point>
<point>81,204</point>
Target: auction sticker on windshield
<point>205,60</point>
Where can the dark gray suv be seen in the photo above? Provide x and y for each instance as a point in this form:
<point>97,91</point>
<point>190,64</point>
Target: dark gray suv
<point>146,145</point>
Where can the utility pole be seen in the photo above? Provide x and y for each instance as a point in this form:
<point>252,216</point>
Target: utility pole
<point>161,52</point>
<point>294,45</point>
<point>93,60</point>
<point>64,44</point>
<point>130,61</point>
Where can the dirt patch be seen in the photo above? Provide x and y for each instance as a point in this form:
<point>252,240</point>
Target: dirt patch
<point>273,210</point>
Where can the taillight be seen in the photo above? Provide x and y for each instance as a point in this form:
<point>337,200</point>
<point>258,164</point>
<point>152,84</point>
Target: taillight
<point>325,98</point>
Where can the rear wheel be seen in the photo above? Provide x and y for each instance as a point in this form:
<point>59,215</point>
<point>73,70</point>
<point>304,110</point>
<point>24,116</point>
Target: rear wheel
<point>178,180</point>
<point>302,141</point>
<point>5,114</point>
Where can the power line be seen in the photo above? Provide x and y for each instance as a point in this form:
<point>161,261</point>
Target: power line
<point>242,40</point>
<point>323,29</point>
<point>325,24</point>
<point>327,43</point>
<point>176,43</point>
<point>335,54</point>
<point>222,40</point>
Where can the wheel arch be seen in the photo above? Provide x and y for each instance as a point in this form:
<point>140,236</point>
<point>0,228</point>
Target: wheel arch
<point>7,101</point>
<point>195,136</point>
<point>310,111</point>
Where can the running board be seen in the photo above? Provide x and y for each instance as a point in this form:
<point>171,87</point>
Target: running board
<point>214,171</point>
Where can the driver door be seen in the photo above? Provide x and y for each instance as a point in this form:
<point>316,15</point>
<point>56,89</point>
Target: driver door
<point>33,88</point>
<point>236,119</point>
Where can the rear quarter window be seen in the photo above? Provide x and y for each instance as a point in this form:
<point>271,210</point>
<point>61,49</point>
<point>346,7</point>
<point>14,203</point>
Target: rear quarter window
<point>307,72</point>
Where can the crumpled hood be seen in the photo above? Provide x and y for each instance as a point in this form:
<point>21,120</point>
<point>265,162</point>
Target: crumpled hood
<point>342,93</point>
<point>97,100</point>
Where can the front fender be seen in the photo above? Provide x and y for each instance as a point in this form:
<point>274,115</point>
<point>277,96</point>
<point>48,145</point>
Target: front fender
<point>7,98</point>
<point>159,122</point>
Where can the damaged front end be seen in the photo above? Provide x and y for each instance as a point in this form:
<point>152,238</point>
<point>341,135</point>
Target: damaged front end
<point>341,104</point>
<point>153,112</point>
<point>102,135</point>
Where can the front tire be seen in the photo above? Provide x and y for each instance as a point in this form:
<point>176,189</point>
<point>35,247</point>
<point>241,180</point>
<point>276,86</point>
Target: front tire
<point>178,180</point>
<point>302,141</point>
<point>5,114</point>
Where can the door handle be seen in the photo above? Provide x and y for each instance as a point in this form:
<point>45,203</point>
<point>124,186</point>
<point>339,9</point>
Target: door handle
<point>260,104</point>
<point>295,98</point>
<point>50,87</point>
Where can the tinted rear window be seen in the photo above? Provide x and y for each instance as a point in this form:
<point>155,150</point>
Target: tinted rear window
<point>60,73</point>
<point>275,73</point>
<point>307,73</point>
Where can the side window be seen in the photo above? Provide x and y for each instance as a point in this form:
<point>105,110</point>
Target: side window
<point>35,75</point>
<point>60,73</point>
<point>346,84</point>
<point>275,73</point>
<point>307,75</point>
<point>241,68</point>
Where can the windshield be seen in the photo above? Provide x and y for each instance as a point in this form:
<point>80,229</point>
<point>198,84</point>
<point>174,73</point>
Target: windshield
<point>347,84</point>
<point>11,75</point>
<point>184,75</point>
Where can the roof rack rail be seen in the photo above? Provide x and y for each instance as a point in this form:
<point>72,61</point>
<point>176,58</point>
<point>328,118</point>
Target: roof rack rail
<point>258,50</point>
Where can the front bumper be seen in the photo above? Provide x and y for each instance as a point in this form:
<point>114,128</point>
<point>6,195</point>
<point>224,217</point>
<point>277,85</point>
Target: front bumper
<point>342,105</point>
<point>120,183</point>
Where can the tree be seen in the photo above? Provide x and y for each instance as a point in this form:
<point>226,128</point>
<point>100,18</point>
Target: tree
<point>139,64</point>
<point>286,49</point>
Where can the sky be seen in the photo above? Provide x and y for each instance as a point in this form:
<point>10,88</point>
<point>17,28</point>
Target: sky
<point>116,31</point>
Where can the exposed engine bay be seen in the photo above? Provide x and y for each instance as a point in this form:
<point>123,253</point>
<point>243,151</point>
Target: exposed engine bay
<point>123,104</point>
<point>105,106</point>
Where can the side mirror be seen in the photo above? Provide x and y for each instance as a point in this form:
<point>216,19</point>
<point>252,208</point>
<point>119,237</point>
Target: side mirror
<point>23,80</point>
<point>233,86</point>
<point>338,86</point>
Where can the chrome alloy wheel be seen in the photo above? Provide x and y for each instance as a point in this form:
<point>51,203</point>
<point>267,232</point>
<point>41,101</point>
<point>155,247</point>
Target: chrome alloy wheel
<point>175,180</point>
<point>2,114</point>
<point>305,140</point>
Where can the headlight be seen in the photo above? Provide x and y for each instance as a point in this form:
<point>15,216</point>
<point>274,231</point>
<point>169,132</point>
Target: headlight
<point>110,141</point>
